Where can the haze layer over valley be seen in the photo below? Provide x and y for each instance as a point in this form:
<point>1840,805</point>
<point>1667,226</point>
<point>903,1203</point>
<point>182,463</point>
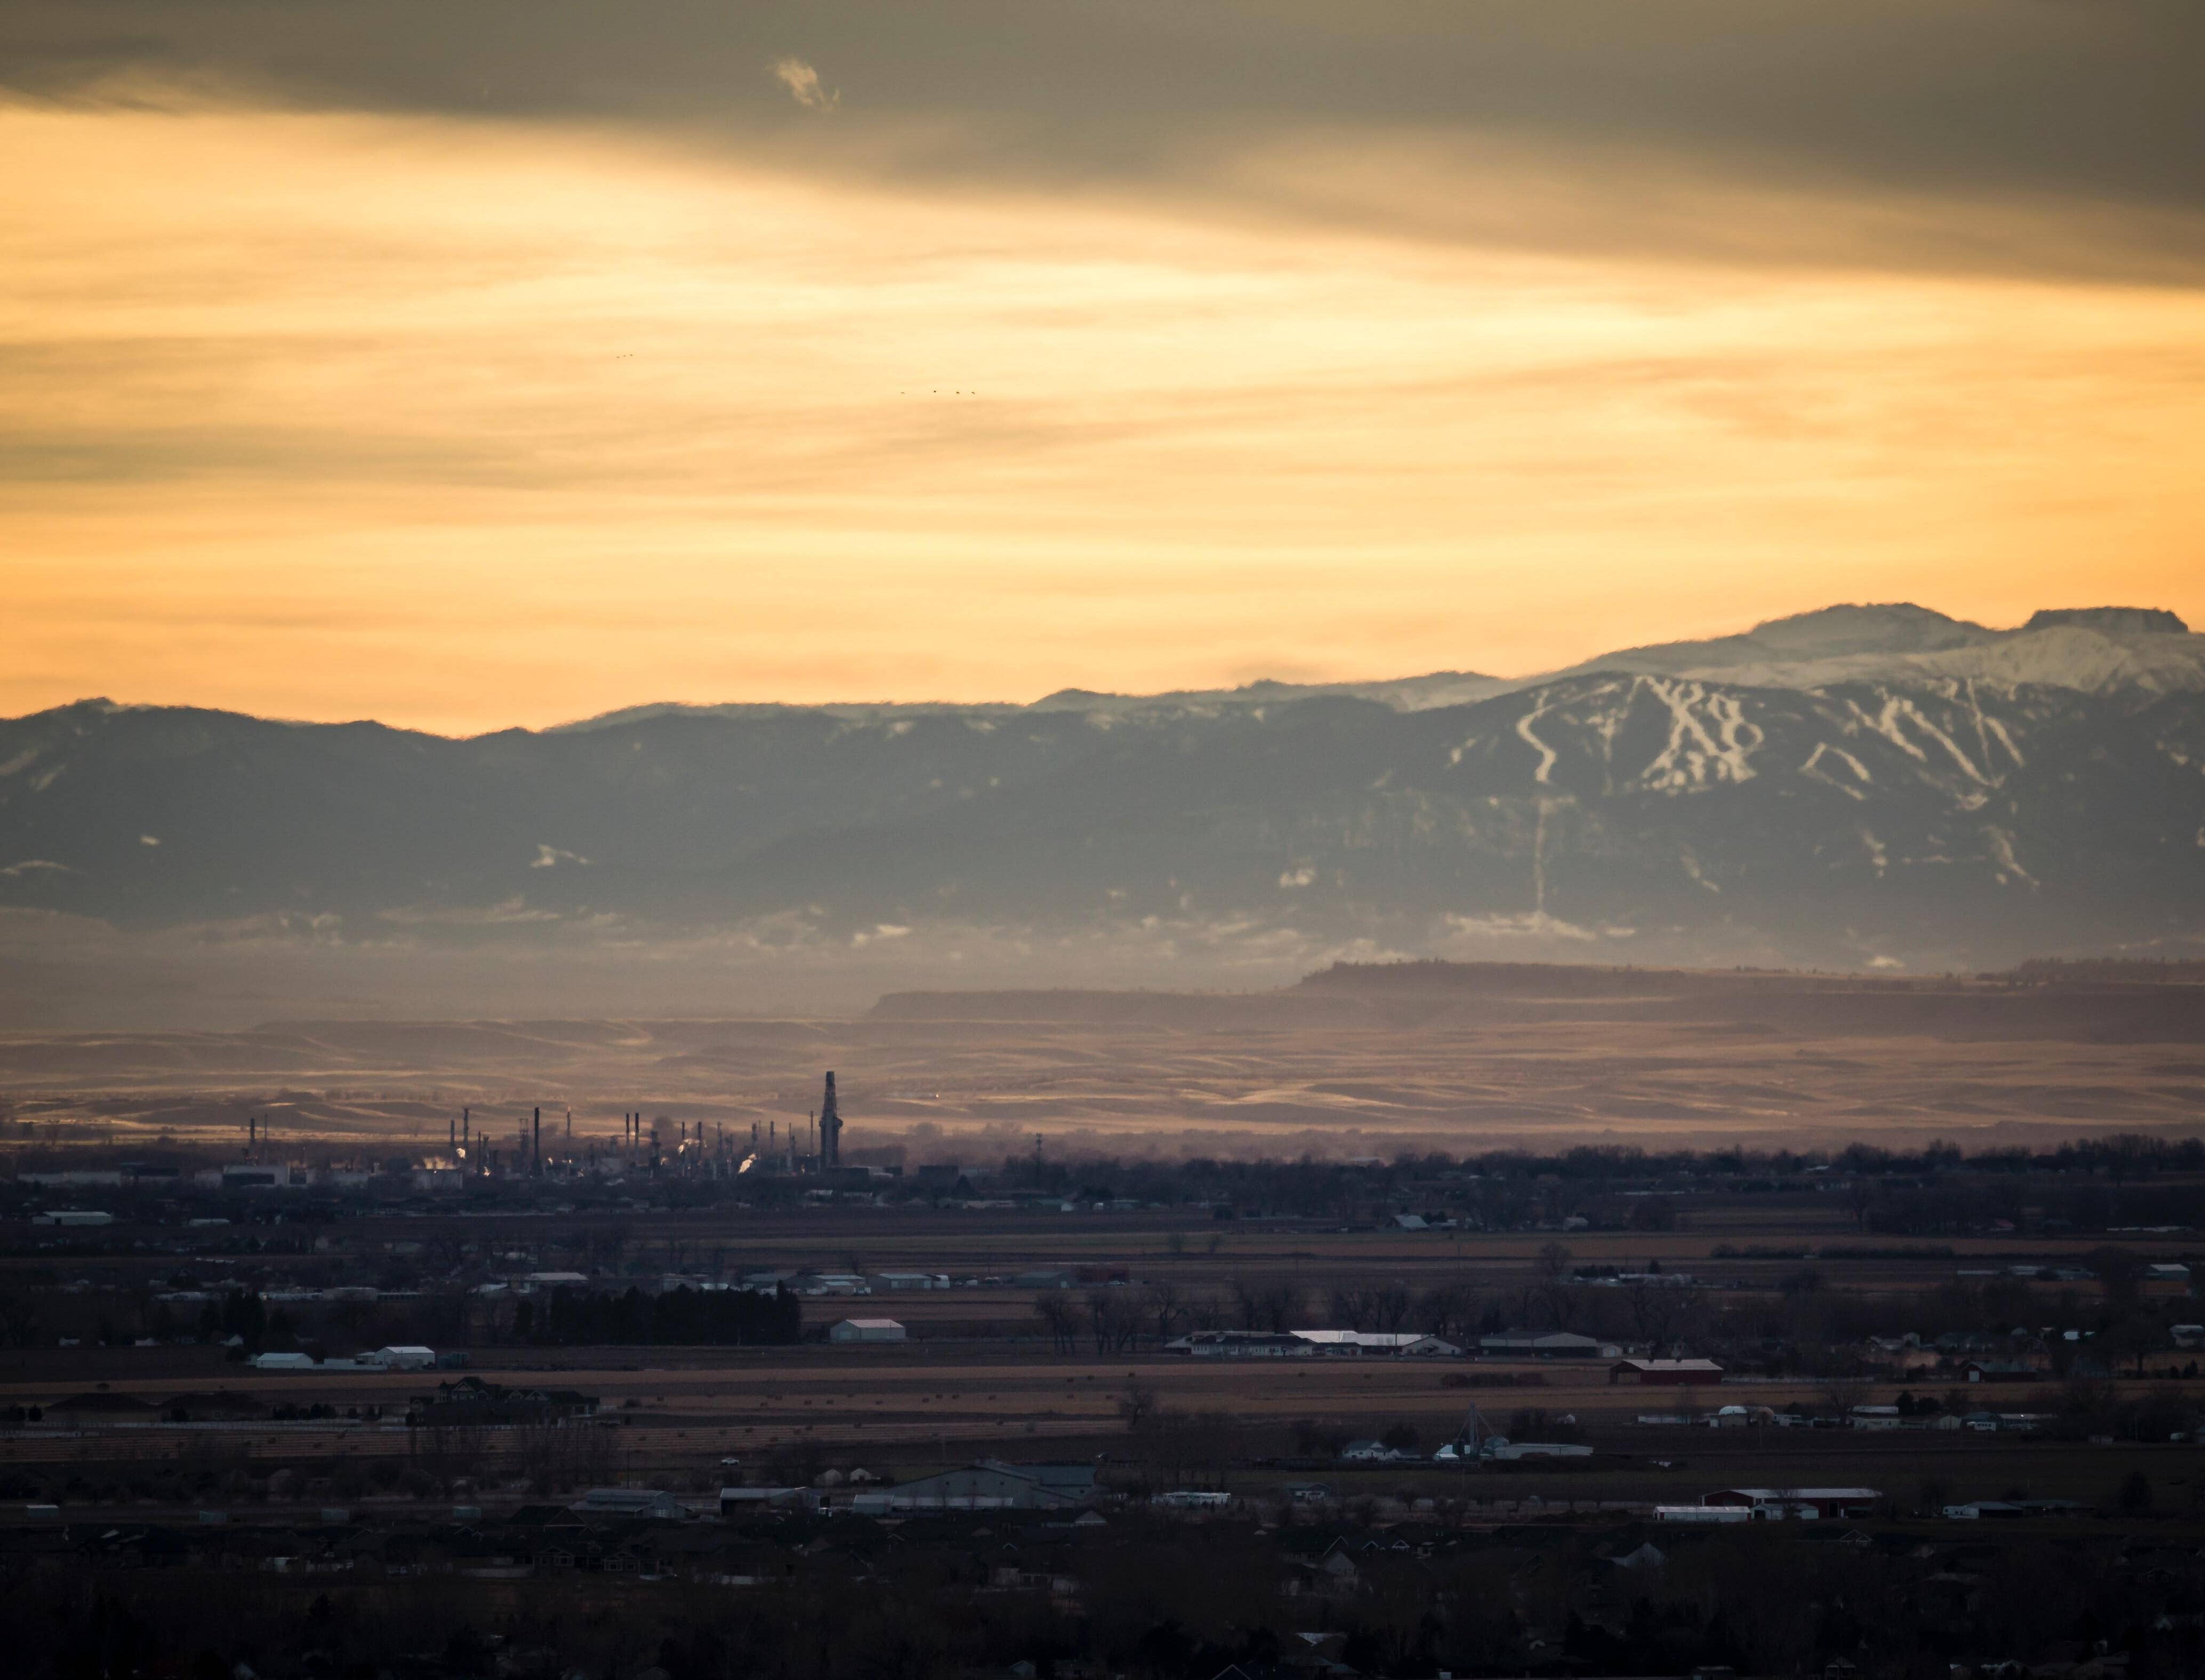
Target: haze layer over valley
<point>1351,1061</point>
<point>1873,788</point>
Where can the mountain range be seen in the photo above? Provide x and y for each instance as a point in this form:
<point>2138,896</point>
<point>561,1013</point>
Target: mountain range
<point>1862,786</point>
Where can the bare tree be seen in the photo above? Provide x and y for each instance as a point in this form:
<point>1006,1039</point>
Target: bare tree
<point>1389,1307</point>
<point>1659,1312</point>
<point>1102,1319</point>
<point>1248,1304</point>
<point>1845,1392</point>
<point>1114,1320</point>
<point>1162,1301</point>
<point>1061,1319</point>
<point>1445,1310</point>
<point>1281,1304</point>
<point>1136,1404</point>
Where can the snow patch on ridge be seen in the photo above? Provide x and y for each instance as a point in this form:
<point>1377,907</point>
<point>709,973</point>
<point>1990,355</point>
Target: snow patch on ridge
<point>1700,751</point>
<point>1546,753</point>
<point>1813,767</point>
<point>1892,721</point>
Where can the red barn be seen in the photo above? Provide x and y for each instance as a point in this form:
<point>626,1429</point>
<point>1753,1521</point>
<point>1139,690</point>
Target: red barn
<point>1672,1372</point>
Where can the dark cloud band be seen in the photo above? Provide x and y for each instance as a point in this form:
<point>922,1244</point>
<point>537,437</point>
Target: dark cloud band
<point>2094,100</point>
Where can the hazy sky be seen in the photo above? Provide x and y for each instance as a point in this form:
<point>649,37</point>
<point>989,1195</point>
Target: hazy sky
<point>471,364</point>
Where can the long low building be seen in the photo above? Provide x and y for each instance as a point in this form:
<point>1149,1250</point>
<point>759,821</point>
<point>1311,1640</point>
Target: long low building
<point>1656,1371</point>
<point>989,1484</point>
<point>1547,1345</point>
<point>1379,1344</point>
<point>1308,1344</point>
<point>1241,1344</point>
<point>1804,1504</point>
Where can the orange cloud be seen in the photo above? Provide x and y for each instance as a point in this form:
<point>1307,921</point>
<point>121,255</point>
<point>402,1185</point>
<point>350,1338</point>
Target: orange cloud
<point>463,425</point>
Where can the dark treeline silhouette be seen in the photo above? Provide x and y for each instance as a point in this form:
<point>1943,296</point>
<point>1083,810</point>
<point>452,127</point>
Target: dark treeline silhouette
<point>1154,1602</point>
<point>678,1318</point>
<point>2091,1184</point>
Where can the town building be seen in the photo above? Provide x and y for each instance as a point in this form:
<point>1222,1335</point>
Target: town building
<point>866,1330</point>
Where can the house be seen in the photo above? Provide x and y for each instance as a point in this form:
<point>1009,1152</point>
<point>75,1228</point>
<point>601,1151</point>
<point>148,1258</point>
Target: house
<point>1673,1372</point>
<point>1547,1345</point>
<point>1997,1370</point>
<point>1372,1453</point>
<point>866,1330</point>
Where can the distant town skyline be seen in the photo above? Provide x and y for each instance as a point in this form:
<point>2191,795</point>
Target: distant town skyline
<point>371,364</point>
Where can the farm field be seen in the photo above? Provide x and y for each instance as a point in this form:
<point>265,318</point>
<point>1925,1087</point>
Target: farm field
<point>980,1377</point>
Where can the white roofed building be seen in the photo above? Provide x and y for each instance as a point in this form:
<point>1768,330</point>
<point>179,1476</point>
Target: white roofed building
<point>866,1330</point>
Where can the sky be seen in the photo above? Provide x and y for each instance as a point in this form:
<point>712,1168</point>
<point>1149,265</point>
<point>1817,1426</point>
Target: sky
<point>467,367</point>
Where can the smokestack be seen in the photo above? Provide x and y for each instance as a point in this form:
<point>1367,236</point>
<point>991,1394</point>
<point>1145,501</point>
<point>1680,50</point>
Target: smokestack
<point>536,1144</point>
<point>830,1128</point>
